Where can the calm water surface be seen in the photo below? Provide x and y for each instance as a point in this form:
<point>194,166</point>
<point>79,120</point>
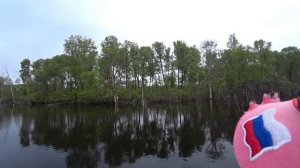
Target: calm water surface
<point>168,136</point>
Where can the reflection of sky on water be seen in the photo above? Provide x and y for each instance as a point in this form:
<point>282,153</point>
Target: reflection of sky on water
<point>12,154</point>
<point>198,159</point>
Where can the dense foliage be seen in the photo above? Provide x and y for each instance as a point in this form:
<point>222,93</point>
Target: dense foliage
<point>127,72</point>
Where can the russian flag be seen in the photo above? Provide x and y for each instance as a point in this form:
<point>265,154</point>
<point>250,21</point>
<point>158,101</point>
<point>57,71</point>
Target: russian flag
<point>264,133</point>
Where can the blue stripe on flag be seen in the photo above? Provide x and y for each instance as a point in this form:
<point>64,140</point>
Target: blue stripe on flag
<point>262,134</point>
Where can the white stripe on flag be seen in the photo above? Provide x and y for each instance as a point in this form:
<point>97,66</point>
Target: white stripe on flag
<point>279,133</point>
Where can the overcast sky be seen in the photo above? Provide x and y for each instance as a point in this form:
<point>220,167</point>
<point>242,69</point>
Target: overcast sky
<point>37,29</point>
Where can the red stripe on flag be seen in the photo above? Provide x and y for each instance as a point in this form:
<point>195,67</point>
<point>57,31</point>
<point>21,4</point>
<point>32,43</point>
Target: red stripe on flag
<point>251,139</point>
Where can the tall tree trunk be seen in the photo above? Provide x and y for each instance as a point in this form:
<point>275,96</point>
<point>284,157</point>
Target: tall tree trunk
<point>116,99</point>
<point>182,78</point>
<point>177,77</point>
<point>143,101</point>
<point>136,85</point>
<point>138,82</point>
<point>126,72</point>
<point>209,75</point>
<point>113,85</point>
<point>209,82</point>
<point>162,71</point>
<point>210,90</point>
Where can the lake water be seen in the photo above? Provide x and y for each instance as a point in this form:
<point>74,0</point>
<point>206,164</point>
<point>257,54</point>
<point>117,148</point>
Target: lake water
<point>160,136</point>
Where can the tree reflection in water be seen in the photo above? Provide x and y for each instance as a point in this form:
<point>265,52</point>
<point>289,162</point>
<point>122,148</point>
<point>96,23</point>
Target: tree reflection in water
<point>25,130</point>
<point>98,135</point>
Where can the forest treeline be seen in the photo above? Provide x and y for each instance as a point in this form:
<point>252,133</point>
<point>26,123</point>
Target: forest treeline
<point>117,72</point>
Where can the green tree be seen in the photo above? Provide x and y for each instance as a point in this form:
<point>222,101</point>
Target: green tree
<point>232,42</point>
<point>289,63</point>
<point>194,71</point>
<point>110,58</point>
<point>146,57</point>
<point>84,51</point>
<point>169,68</point>
<point>25,73</point>
<point>129,71</point>
<point>240,67</point>
<point>152,68</point>
<point>125,61</point>
<point>266,58</point>
<point>39,75</point>
<point>159,53</point>
<point>210,55</point>
<point>181,52</point>
<point>136,62</point>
